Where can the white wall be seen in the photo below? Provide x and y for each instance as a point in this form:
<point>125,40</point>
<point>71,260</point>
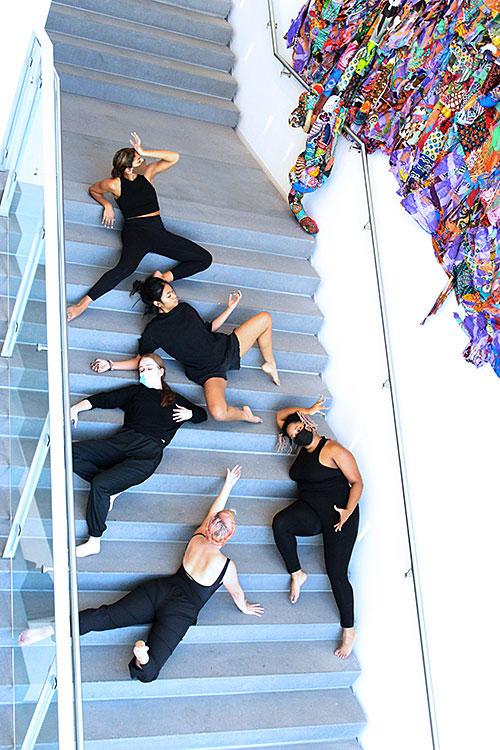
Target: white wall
<point>449,413</point>
<point>18,18</point>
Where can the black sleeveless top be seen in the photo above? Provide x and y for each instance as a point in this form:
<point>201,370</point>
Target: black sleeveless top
<point>138,197</point>
<point>197,593</point>
<point>312,476</point>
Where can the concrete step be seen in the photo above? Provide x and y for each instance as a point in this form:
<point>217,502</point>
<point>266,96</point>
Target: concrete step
<point>162,517</point>
<point>115,88</point>
<point>28,372</point>
<point>100,249</point>
<point>314,617</point>
<point>129,34</point>
<point>219,721</point>
<point>120,331</point>
<point>141,66</point>
<point>158,14</point>
<point>214,7</point>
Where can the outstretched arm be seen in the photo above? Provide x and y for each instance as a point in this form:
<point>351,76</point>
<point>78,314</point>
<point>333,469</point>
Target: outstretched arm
<point>103,365</point>
<point>166,158</point>
<point>232,476</point>
<point>317,408</point>
<point>232,584</point>
<point>233,300</point>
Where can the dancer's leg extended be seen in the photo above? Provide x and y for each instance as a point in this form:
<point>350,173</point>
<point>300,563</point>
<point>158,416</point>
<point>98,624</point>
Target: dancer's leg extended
<point>298,519</point>
<point>215,395</point>
<point>259,329</point>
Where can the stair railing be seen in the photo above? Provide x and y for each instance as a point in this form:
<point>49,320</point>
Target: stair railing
<point>33,202</point>
<point>390,383</point>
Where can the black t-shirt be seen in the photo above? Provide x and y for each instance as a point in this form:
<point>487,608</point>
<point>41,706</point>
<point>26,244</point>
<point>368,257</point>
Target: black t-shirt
<point>143,412</point>
<point>187,338</point>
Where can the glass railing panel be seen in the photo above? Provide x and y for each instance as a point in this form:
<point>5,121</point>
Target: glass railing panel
<point>32,594</point>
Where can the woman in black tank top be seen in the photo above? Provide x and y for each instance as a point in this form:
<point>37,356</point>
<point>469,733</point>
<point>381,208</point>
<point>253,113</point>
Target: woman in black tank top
<point>143,230</point>
<point>330,486</point>
<point>171,603</point>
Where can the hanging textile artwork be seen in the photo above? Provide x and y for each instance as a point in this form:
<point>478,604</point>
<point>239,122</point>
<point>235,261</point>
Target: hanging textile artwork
<point>420,81</point>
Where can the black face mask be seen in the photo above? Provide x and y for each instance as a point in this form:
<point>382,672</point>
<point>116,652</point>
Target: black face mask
<point>303,438</point>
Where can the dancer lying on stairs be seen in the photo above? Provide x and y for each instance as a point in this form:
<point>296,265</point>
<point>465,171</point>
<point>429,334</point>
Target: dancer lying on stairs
<point>171,603</point>
<point>153,414</point>
<point>143,231</point>
<point>330,486</point>
<point>205,354</point>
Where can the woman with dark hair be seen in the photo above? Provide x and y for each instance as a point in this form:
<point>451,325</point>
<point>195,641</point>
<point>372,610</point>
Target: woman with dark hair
<point>153,414</point>
<point>143,231</point>
<point>171,603</point>
<point>206,355</point>
<point>330,486</point>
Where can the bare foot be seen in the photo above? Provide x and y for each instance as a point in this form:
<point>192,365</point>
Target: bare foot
<point>141,653</point>
<point>271,370</point>
<point>348,636</point>
<point>298,578</point>
<point>91,547</point>
<point>33,635</point>
<point>250,416</point>
<point>168,276</point>
<point>112,501</point>
<point>73,311</point>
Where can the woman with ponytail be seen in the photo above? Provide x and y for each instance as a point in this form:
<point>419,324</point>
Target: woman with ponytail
<point>171,603</point>
<point>330,486</point>
<point>153,414</point>
<point>205,354</point>
<point>143,231</point>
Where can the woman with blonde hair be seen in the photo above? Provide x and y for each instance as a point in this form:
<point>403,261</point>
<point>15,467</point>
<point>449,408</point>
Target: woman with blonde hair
<point>171,603</point>
<point>153,414</point>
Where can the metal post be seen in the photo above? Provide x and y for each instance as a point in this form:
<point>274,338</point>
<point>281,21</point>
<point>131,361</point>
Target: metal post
<point>42,706</point>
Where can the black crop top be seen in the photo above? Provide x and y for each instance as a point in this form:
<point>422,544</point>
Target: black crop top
<point>138,197</point>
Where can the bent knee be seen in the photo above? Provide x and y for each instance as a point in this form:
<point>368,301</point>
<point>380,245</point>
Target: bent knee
<point>279,523</point>
<point>206,260</point>
<point>266,318</point>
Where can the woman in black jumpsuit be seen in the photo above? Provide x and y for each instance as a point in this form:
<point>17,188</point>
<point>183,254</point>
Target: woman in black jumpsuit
<point>329,486</point>
<point>153,414</point>
<point>206,354</point>
<point>171,603</point>
<point>143,231</point>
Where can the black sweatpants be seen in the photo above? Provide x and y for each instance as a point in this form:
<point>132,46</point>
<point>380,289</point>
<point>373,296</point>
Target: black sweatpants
<point>112,465</point>
<point>158,601</point>
<point>316,515</point>
<point>148,235</point>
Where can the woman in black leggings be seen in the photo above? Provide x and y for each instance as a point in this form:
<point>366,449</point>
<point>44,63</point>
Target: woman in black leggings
<point>153,414</point>
<point>143,231</point>
<point>330,486</point>
<point>206,354</point>
<point>171,603</point>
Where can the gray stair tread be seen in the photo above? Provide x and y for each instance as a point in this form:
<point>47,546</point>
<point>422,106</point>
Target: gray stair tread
<point>225,659</point>
<point>266,261</point>
<point>167,17</point>
<point>133,27</point>
<point>313,608</point>
<point>157,89</point>
<point>214,7</point>
<point>104,48</point>
<point>163,558</point>
<point>214,720</point>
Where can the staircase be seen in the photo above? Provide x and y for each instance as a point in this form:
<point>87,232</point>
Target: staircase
<point>163,69</point>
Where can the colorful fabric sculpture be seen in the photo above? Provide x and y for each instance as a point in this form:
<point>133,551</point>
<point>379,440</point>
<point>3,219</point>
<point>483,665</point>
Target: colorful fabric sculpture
<point>419,80</point>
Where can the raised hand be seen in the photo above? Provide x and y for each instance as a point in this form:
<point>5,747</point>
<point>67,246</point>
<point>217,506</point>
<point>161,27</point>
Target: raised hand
<point>318,407</point>
<point>232,476</point>
<point>234,299</point>
<point>108,217</point>
<point>181,413</point>
<point>135,142</point>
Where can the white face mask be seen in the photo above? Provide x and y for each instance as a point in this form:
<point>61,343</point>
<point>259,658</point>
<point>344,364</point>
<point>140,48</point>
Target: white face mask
<point>150,378</point>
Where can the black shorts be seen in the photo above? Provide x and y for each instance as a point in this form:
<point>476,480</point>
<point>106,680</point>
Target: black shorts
<point>231,362</point>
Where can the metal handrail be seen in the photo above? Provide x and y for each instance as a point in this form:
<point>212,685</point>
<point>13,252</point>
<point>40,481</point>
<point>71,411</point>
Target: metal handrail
<point>393,392</point>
